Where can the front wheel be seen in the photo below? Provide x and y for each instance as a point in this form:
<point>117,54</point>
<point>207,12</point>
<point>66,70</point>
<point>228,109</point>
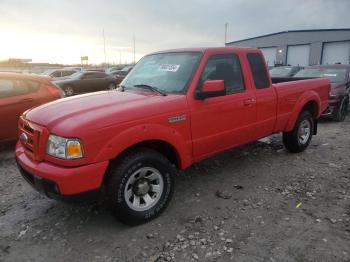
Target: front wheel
<point>300,137</point>
<point>140,186</point>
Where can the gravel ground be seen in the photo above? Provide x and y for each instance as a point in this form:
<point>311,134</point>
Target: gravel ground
<point>254,203</point>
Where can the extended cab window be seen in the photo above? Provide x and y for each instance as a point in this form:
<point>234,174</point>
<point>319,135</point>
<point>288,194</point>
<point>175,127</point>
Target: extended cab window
<point>258,69</point>
<point>225,67</point>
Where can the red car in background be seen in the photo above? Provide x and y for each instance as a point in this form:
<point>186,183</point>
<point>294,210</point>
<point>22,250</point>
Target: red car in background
<point>19,92</point>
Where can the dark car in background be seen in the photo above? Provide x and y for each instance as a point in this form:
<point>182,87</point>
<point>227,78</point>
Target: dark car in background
<point>18,93</point>
<point>85,82</point>
<point>339,75</point>
<point>56,73</point>
<point>121,74</point>
<point>285,71</point>
<point>114,69</point>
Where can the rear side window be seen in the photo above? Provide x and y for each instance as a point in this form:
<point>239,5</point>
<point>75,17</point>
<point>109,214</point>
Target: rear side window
<point>94,75</point>
<point>259,71</point>
<point>15,87</point>
<point>67,73</point>
<point>33,86</point>
<point>225,67</point>
<point>100,75</point>
<point>88,76</point>
<point>23,87</point>
<point>56,74</point>
<point>7,88</point>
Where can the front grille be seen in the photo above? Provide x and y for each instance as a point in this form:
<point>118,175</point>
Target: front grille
<point>31,138</point>
<point>26,127</point>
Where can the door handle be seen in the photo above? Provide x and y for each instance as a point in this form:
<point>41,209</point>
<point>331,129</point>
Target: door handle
<point>249,102</point>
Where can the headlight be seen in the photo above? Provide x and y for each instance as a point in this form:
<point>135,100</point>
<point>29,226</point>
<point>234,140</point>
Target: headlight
<point>65,148</point>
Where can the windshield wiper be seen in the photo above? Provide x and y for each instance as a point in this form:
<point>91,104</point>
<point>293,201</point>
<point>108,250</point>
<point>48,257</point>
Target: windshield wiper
<point>152,88</point>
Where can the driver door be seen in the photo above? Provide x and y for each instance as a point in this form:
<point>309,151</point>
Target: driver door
<point>222,122</point>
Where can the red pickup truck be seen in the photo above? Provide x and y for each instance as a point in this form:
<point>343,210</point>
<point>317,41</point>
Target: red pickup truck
<point>173,109</point>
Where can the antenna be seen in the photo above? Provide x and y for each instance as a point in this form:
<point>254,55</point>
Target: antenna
<point>226,26</point>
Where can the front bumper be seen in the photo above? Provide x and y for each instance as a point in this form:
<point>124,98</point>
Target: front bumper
<point>61,182</point>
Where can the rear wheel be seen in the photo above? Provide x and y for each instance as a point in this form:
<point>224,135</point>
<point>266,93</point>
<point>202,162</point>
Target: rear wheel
<point>140,186</point>
<point>68,90</point>
<point>340,115</point>
<point>300,137</point>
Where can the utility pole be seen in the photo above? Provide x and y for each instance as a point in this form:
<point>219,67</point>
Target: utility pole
<point>226,26</point>
<point>104,45</point>
<point>134,50</point>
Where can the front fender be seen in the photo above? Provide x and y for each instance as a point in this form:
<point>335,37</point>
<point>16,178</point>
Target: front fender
<point>310,96</point>
<point>147,132</point>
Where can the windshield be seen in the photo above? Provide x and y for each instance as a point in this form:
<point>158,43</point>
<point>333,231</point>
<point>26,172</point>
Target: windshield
<point>334,75</point>
<point>168,72</point>
<point>280,71</point>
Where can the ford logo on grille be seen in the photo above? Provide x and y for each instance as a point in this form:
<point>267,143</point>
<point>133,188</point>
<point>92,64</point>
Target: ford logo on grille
<point>24,138</point>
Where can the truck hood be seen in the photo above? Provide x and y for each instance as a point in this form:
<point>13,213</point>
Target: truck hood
<point>101,109</point>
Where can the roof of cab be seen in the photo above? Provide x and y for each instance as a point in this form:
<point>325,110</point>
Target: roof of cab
<point>204,49</point>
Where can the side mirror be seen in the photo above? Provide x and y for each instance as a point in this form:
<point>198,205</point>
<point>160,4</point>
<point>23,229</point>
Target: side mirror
<point>211,88</point>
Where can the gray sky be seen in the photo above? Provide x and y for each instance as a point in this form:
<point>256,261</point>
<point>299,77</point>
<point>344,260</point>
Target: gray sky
<point>63,30</point>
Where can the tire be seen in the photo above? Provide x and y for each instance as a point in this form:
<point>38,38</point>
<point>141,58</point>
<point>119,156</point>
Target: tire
<point>140,186</point>
<point>342,111</point>
<point>111,86</point>
<point>300,137</point>
<point>68,90</point>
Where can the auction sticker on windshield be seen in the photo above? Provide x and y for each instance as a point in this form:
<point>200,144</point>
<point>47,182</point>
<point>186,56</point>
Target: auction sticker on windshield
<point>329,74</point>
<point>169,67</point>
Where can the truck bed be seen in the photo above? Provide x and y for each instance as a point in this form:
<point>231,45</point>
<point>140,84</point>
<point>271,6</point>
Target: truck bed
<point>290,91</point>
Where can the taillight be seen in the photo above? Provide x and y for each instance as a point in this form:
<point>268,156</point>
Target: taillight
<point>55,90</point>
